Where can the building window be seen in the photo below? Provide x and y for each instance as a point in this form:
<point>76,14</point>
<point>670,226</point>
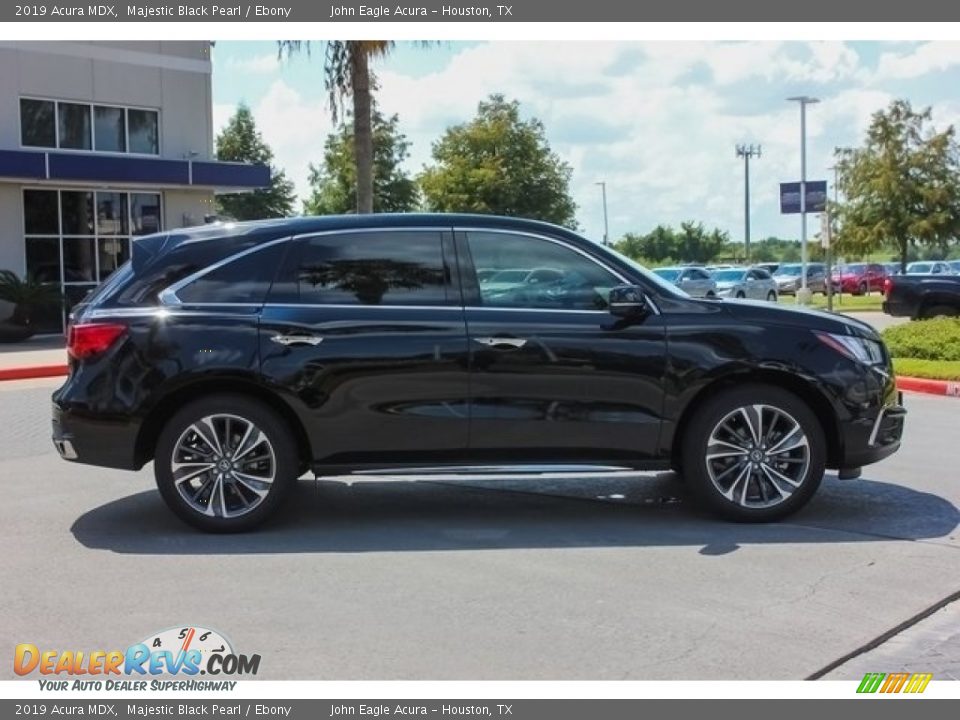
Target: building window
<point>143,131</point>
<point>38,123</point>
<point>110,129</point>
<point>77,238</point>
<point>85,126</point>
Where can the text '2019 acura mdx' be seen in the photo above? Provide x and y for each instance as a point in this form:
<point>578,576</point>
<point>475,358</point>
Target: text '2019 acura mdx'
<point>238,357</point>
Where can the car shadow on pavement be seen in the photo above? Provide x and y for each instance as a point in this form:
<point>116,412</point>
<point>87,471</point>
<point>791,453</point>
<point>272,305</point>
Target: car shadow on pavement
<point>395,516</point>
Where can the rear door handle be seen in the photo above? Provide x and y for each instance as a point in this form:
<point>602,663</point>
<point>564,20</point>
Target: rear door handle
<point>297,339</point>
<point>501,342</point>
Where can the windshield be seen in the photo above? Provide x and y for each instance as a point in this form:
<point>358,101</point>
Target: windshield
<point>728,275</point>
<point>667,273</point>
<point>789,270</point>
<point>668,287</point>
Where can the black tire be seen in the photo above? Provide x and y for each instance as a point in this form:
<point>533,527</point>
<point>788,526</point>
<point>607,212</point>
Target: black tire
<point>862,289</point>
<point>940,311</point>
<point>740,295</point>
<point>771,296</point>
<point>280,452</point>
<point>709,418</point>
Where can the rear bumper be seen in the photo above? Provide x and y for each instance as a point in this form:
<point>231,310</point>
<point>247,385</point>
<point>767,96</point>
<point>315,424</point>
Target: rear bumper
<point>99,442</point>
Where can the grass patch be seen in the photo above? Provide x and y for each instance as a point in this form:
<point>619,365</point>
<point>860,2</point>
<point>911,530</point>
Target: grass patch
<point>931,369</point>
<point>936,339</point>
<point>848,303</point>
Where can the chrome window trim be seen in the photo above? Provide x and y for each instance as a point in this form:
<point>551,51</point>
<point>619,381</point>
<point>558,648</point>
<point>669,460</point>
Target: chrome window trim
<point>168,296</point>
<point>556,241</point>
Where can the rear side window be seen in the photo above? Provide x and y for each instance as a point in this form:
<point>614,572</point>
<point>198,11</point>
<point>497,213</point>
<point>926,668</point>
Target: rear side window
<point>245,279</point>
<point>403,267</point>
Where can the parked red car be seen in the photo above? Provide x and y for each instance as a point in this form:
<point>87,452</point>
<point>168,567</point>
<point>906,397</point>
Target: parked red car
<point>859,278</point>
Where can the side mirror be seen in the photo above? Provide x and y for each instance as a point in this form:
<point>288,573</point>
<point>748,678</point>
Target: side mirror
<point>628,301</point>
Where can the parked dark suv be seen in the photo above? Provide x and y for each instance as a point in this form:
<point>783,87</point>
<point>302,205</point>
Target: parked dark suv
<point>238,357</point>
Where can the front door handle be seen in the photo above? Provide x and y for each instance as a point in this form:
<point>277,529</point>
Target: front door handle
<point>502,342</point>
<point>297,339</point>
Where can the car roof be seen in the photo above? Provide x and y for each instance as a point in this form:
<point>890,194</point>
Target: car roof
<point>261,231</point>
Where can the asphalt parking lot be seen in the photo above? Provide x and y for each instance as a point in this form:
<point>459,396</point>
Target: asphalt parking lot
<point>544,578</point>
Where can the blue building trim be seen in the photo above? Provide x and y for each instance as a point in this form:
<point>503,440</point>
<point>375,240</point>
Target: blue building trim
<point>20,164</point>
<point>224,174</point>
<point>94,168</point>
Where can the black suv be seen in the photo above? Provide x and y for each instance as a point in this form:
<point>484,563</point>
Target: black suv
<point>238,357</point>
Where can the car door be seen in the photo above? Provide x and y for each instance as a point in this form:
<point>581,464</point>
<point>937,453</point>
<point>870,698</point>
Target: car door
<point>554,377</point>
<point>364,335</point>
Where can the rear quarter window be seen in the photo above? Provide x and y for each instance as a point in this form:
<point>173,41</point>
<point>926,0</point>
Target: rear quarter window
<point>244,279</point>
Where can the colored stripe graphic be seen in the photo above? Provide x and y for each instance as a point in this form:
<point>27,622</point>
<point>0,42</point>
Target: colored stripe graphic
<point>895,682</point>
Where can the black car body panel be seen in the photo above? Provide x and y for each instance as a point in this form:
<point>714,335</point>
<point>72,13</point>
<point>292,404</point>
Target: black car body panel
<point>365,382</point>
<point>913,295</point>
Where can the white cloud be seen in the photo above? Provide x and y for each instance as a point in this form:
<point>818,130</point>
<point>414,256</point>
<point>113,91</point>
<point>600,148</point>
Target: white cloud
<point>258,64</point>
<point>923,59</point>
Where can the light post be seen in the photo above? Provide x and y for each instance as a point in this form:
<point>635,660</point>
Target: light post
<point>746,153</point>
<point>606,224</point>
<point>803,294</point>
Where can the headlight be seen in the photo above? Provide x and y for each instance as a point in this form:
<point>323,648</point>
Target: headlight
<point>868,352</point>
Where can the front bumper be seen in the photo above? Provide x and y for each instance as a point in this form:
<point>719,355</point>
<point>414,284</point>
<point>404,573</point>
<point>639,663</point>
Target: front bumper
<point>872,440</point>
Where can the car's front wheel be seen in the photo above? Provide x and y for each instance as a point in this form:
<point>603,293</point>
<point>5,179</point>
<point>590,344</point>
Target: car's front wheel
<point>225,462</point>
<point>771,296</point>
<point>753,453</point>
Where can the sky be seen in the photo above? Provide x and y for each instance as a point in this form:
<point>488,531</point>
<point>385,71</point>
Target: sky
<point>658,122</point>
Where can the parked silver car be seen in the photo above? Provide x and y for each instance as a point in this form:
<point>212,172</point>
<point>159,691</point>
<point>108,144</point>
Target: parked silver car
<point>788,278</point>
<point>929,267</point>
<point>696,281</point>
<point>754,283</point>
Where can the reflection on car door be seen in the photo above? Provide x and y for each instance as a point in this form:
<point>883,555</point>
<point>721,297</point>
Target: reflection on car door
<point>364,332</point>
<point>554,376</point>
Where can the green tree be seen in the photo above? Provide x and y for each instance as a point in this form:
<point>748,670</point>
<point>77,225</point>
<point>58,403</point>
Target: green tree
<point>240,141</point>
<point>334,182</point>
<point>695,244</point>
<point>346,71</point>
<point>901,187</point>
<point>500,164</point>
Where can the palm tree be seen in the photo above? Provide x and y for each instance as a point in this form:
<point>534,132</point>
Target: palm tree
<point>346,70</point>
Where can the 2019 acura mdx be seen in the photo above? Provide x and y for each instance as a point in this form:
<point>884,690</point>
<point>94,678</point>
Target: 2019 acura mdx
<point>238,357</point>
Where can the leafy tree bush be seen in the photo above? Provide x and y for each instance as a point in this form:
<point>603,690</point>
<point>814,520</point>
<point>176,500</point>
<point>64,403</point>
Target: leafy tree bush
<point>936,339</point>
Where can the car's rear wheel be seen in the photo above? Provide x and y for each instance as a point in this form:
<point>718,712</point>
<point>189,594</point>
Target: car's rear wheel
<point>741,295</point>
<point>771,296</point>
<point>753,453</point>
<point>225,462</point>
<point>862,289</point>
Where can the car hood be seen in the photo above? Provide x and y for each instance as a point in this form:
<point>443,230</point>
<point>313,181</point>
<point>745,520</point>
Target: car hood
<point>765,313</point>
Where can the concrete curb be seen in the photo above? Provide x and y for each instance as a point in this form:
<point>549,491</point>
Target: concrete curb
<point>947,388</point>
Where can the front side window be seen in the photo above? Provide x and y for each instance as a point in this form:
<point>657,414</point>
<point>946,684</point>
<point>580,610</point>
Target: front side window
<point>578,282</point>
<point>374,268</point>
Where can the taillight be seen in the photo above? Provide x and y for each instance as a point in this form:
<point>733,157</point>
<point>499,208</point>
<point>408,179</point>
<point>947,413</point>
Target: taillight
<point>89,339</point>
<point>887,284</point>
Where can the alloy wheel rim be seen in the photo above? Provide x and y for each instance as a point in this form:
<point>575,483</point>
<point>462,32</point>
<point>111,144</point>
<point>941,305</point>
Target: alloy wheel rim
<point>757,456</point>
<point>223,466</point>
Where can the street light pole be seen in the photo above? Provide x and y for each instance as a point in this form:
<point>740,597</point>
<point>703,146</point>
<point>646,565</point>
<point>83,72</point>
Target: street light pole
<point>746,153</point>
<point>606,223</point>
<point>803,294</point>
